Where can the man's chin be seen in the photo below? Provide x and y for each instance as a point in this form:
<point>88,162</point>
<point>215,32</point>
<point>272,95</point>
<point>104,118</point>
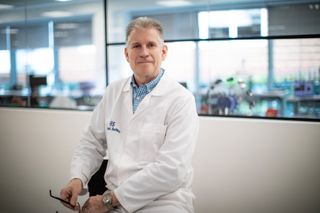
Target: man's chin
<point>146,70</point>
<point>146,73</point>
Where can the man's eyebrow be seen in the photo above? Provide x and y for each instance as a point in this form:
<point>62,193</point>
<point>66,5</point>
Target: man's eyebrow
<point>134,42</point>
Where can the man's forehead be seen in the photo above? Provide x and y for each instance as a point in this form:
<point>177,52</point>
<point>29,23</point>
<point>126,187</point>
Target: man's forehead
<point>139,40</point>
<point>144,34</point>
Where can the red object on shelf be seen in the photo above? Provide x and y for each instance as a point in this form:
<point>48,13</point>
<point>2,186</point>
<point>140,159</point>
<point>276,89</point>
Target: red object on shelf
<point>271,112</point>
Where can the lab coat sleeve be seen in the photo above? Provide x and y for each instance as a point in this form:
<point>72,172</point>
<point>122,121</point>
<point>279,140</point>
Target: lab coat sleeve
<point>91,150</point>
<point>172,167</point>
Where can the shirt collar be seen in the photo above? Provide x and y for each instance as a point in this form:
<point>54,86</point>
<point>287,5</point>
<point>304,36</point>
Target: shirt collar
<point>150,85</point>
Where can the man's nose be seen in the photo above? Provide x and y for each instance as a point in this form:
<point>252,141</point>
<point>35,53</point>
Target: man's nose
<point>144,52</point>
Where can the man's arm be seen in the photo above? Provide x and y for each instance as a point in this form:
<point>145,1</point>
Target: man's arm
<point>89,153</point>
<point>87,156</point>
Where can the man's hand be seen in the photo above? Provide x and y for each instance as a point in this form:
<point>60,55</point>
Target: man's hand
<point>94,204</point>
<point>71,192</point>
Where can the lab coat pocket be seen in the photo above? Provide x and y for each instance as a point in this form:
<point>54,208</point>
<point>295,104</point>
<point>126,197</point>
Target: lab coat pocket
<point>151,138</point>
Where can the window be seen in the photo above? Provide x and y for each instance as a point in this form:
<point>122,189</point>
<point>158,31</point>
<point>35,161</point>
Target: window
<point>52,53</point>
<point>233,23</point>
<point>237,58</point>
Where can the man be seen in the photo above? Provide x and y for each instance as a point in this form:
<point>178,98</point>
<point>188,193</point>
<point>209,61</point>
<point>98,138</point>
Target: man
<point>148,125</point>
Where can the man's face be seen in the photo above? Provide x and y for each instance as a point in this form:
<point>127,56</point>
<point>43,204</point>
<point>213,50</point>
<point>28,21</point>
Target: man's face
<point>145,53</point>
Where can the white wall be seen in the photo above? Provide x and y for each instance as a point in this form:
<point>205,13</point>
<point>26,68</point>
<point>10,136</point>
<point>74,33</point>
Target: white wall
<point>241,165</point>
<point>35,151</point>
<point>257,166</point>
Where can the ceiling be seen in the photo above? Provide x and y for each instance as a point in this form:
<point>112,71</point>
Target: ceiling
<point>23,3</point>
<point>146,3</point>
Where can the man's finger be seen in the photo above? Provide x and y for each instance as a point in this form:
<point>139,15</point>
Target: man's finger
<point>73,199</point>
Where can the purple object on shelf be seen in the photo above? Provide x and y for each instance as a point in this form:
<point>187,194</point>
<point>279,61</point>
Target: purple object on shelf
<point>303,88</point>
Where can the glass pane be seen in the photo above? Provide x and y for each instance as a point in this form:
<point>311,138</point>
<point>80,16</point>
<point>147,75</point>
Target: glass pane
<point>181,63</point>
<point>294,19</point>
<point>224,59</point>
<point>297,72</point>
<point>232,70</point>
<point>195,19</point>
<point>5,62</point>
<point>56,53</point>
<point>223,51</point>
<point>5,67</point>
<point>232,23</point>
<point>296,59</point>
<point>118,67</point>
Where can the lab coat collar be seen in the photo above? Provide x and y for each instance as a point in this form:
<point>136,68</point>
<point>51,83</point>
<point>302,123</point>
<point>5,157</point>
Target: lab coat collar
<point>126,87</point>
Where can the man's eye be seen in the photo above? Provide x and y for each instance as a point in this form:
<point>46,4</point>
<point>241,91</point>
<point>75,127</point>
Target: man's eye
<point>135,46</point>
<point>151,45</point>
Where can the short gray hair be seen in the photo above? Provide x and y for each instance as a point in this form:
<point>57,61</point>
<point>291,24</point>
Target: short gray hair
<point>144,23</point>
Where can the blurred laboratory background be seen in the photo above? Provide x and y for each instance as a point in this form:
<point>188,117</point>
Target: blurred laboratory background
<point>240,58</point>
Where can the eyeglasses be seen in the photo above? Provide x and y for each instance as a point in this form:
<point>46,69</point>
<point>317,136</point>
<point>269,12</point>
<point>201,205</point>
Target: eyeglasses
<point>65,202</point>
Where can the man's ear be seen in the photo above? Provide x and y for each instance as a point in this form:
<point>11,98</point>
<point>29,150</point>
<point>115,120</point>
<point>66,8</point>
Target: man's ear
<point>164,51</point>
<point>126,53</point>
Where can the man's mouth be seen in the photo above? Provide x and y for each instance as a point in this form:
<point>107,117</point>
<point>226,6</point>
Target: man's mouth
<point>144,62</point>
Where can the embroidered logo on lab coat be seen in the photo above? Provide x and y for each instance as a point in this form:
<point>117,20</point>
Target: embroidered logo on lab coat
<point>112,126</point>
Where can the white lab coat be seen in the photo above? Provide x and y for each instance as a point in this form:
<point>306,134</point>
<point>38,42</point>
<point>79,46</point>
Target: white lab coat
<point>150,151</point>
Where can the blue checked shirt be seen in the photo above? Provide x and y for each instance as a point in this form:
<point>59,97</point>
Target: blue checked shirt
<point>139,92</point>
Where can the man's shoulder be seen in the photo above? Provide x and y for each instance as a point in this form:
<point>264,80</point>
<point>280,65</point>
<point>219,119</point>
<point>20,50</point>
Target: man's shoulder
<point>118,85</point>
<point>176,88</point>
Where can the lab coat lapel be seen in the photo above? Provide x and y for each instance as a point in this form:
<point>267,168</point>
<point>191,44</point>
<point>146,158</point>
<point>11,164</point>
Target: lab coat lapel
<point>127,93</point>
<point>128,103</point>
<point>142,106</point>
